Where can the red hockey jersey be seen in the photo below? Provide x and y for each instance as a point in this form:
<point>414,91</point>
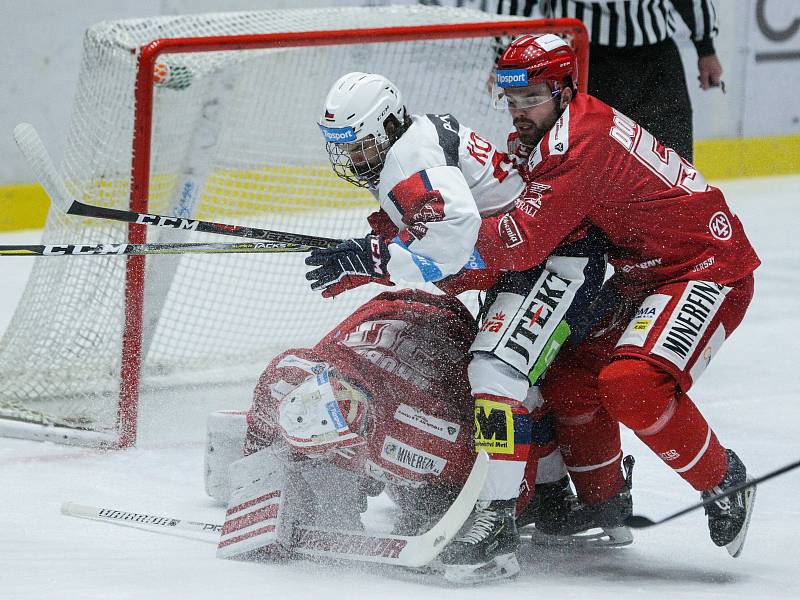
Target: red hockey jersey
<point>410,351</point>
<point>596,167</point>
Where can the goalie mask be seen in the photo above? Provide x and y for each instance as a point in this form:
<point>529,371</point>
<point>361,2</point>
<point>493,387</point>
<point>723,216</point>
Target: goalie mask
<point>532,70</point>
<point>364,115</point>
<point>325,412</point>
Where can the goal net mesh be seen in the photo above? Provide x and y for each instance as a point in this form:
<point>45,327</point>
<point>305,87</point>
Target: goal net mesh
<point>234,140</point>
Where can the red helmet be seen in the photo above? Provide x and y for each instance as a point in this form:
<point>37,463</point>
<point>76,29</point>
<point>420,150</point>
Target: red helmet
<point>545,58</point>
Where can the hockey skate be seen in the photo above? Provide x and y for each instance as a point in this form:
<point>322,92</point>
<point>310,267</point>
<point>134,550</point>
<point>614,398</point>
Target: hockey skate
<point>488,549</point>
<point>610,515</point>
<point>554,515</point>
<point>729,517</point>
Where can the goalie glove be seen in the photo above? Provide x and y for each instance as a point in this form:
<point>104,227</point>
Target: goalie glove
<point>349,265</point>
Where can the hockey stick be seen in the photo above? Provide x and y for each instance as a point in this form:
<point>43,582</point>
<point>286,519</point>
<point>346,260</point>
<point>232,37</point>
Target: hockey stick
<point>121,517</point>
<point>45,171</point>
<point>124,249</point>
<point>405,551</point>
<point>641,522</point>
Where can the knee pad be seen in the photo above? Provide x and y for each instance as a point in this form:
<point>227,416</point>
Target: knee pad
<point>635,392</point>
<point>225,435</point>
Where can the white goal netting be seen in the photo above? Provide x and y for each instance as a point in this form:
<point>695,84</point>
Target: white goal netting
<point>234,140</point>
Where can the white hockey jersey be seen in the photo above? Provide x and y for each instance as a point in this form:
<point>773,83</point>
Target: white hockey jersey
<point>438,180</point>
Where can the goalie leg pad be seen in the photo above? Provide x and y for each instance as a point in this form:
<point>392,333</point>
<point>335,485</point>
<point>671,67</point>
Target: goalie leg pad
<point>256,519</point>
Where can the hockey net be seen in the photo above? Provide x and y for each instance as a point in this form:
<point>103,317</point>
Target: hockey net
<point>214,117</point>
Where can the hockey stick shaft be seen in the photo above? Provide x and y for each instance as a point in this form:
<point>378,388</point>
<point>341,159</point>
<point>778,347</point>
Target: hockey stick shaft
<point>641,522</point>
<point>112,515</point>
<point>31,146</point>
<point>267,247</point>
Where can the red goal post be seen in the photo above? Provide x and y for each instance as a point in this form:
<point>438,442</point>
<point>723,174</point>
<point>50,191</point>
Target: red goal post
<point>148,156</point>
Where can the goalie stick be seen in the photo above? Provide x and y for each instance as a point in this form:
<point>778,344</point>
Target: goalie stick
<point>405,551</point>
<point>141,520</point>
<point>641,522</point>
<point>31,146</point>
<point>125,249</point>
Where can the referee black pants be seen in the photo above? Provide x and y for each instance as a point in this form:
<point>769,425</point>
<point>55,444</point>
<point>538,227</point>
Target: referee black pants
<point>648,85</point>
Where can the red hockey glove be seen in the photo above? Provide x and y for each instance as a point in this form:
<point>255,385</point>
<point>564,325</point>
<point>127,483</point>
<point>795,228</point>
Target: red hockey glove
<point>349,265</point>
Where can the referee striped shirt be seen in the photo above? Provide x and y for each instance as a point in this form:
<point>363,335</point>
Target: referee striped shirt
<point>625,23</point>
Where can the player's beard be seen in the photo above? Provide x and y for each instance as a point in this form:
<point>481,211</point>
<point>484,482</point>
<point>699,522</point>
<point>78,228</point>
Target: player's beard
<point>530,134</point>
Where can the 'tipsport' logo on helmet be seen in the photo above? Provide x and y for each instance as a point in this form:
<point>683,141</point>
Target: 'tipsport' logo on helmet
<point>338,135</point>
<point>336,415</point>
<point>512,78</point>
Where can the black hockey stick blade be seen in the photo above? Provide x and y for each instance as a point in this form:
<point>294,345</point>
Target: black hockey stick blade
<point>31,146</point>
<point>641,522</point>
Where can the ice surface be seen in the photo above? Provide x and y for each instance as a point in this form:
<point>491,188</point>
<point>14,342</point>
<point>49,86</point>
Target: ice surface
<point>750,395</point>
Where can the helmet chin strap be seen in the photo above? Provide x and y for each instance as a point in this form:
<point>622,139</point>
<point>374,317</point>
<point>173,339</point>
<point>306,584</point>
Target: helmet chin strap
<point>400,129</point>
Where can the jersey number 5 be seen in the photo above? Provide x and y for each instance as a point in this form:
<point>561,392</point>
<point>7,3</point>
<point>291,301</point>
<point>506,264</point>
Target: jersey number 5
<point>663,162</point>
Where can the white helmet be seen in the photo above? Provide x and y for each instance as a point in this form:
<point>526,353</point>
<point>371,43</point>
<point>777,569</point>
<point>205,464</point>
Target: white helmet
<point>358,109</point>
<point>325,412</point>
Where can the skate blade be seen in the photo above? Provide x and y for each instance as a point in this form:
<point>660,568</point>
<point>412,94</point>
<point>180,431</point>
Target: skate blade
<point>735,547</point>
<point>611,537</point>
<point>617,536</point>
<point>435,567</point>
<point>500,567</point>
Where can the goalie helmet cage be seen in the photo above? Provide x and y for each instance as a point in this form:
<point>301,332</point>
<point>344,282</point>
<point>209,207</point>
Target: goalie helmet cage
<point>214,117</point>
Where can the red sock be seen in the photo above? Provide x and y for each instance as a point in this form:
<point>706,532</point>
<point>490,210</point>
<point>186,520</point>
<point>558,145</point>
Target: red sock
<point>590,445</point>
<point>587,437</point>
<point>644,398</point>
<point>526,490</point>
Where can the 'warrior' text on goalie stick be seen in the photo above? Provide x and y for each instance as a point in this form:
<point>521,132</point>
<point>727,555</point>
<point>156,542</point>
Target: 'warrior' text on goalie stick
<point>405,551</point>
<point>124,249</point>
<point>641,522</point>
<point>45,171</point>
